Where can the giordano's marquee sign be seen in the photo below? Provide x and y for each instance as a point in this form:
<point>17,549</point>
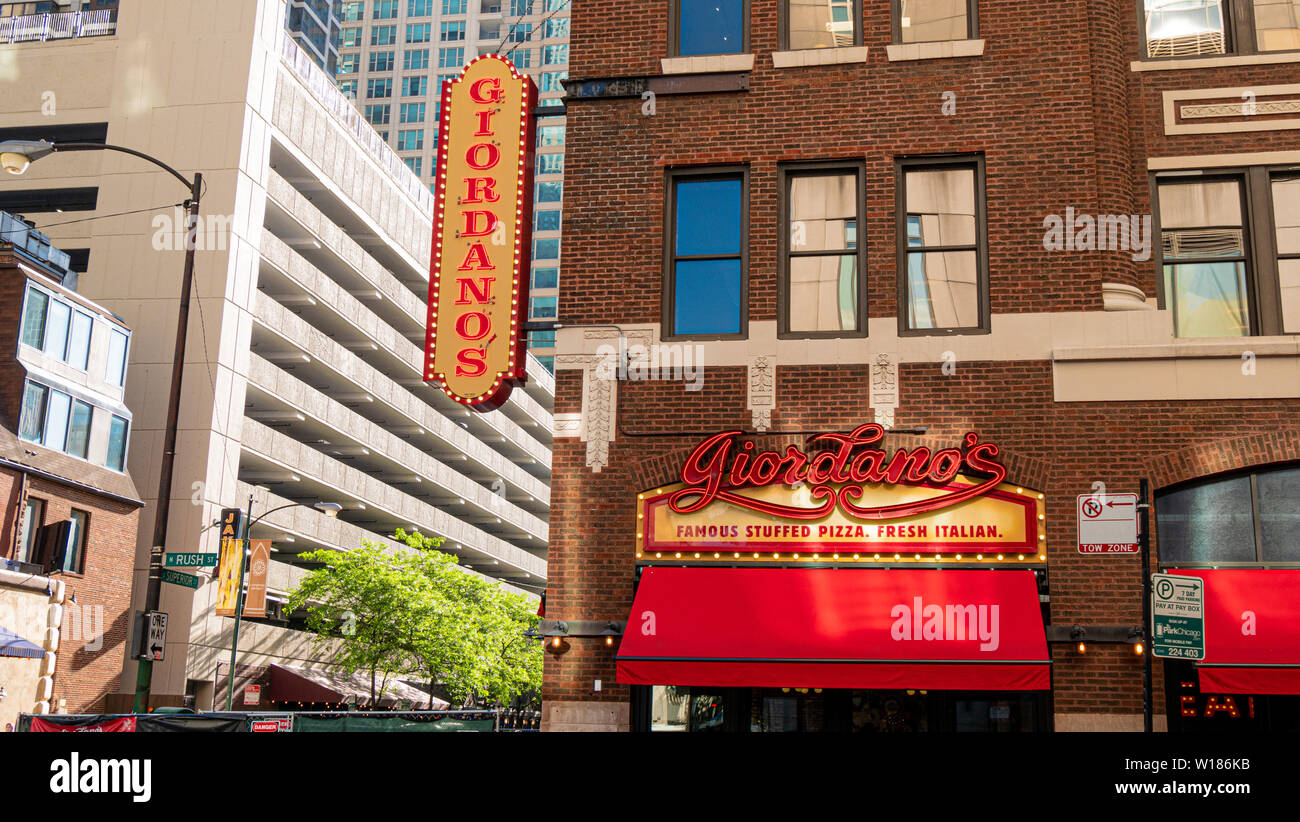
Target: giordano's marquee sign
<point>850,502</point>
<point>474,347</point>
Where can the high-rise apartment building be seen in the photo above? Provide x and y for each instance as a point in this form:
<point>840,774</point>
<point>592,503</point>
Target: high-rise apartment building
<point>302,378</point>
<point>393,58</point>
<point>315,26</point>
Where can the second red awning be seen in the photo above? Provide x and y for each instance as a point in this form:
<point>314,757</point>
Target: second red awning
<point>827,628</point>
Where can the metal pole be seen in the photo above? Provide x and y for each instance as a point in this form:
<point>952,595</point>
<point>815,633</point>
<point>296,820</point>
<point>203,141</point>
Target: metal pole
<point>1144,542</point>
<point>153,591</point>
<point>239,603</point>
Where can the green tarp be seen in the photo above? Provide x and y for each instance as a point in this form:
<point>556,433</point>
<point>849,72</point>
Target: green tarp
<point>385,724</point>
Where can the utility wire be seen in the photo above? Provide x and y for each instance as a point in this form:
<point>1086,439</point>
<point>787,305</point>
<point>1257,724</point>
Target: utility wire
<point>102,216</point>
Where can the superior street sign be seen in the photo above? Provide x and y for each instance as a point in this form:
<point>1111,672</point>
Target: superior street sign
<point>191,560</point>
<point>1177,616</point>
<point>1108,523</point>
<point>179,578</point>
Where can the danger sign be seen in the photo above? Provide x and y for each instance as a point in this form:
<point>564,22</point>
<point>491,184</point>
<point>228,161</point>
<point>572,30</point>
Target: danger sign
<point>1108,523</point>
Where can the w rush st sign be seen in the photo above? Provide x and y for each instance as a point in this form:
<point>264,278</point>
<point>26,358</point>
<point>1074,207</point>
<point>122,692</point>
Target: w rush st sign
<point>474,348</point>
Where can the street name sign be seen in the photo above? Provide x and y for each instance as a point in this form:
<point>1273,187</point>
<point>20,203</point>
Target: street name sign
<point>180,578</point>
<point>1108,523</point>
<point>191,560</point>
<point>1177,616</point>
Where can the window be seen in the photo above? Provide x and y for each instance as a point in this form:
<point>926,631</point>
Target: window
<point>704,282</point>
<point>451,58</point>
<point>385,9</point>
<point>419,8</point>
<point>451,32</point>
<point>541,339</point>
<point>546,277</point>
<point>550,163</point>
<point>349,63</point>
<point>79,341</point>
<point>550,136</point>
<point>412,113</point>
<point>419,32</point>
<point>548,363</point>
<point>453,6</point>
<point>56,329</point>
<point>79,429</point>
<point>415,86</point>
<point>415,164</point>
<point>32,424</point>
<point>383,35</point>
<point>820,24</point>
<point>489,31</point>
<point>822,287</point>
<point>56,421</point>
<point>34,318</point>
<point>556,29</point>
<point>546,249</point>
<point>352,12</point>
<point>548,221</point>
<point>555,55</point>
<point>551,80</point>
<point>1188,28</point>
<point>410,140</point>
<point>1230,252</point>
<point>522,8</point>
<point>521,32</point>
<point>379,87</point>
<point>381,61</point>
<point>115,370</point>
<point>415,59</point>
<point>1245,518</point>
<point>75,548</point>
<point>349,89</point>
<point>117,431</point>
<point>710,27</point>
<point>928,21</point>
<point>377,115</point>
<point>351,38</point>
<point>550,192</point>
<point>942,249</point>
<point>33,519</point>
<point>543,308</point>
<point>522,58</point>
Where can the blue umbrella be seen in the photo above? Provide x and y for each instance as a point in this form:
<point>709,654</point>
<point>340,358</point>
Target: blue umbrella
<point>13,645</point>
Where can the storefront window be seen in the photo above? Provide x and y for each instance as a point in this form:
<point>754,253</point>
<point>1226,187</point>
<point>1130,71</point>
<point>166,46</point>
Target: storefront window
<point>675,708</point>
<point>1246,518</point>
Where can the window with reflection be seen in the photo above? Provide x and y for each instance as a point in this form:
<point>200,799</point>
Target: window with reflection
<point>679,708</point>
<point>1203,247</point>
<point>823,288</point>
<point>1191,28</point>
<point>822,24</point>
<point>942,254</point>
<point>1250,518</point>
<point>928,21</point>
<point>1285,193</point>
<point>710,26</point>
<point>704,281</point>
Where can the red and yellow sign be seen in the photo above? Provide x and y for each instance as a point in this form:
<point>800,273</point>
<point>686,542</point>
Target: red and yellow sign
<point>478,282</point>
<point>852,503</point>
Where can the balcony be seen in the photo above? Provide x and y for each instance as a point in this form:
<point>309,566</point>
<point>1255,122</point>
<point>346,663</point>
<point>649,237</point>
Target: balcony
<point>31,28</point>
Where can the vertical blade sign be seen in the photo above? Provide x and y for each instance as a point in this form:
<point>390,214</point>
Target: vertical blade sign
<point>482,234</point>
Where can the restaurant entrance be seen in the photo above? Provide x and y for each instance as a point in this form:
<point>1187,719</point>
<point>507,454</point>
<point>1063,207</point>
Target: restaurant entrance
<point>817,710</point>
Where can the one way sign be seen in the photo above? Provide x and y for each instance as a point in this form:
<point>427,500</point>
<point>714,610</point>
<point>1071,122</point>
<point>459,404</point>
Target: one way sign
<point>1108,523</point>
<point>155,636</point>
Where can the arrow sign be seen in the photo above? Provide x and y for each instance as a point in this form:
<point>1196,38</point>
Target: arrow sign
<point>1108,523</point>
<point>156,630</point>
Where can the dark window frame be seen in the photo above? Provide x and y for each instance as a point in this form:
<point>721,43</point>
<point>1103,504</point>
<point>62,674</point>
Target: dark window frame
<point>896,23</point>
<point>1263,285</point>
<point>902,165</point>
<point>83,540</point>
<point>702,174</point>
<point>675,31</point>
<point>786,174</point>
<point>1238,34</point>
<point>783,25</point>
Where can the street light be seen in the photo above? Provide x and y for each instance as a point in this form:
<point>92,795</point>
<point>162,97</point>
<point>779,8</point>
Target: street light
<point>329,509</point>
<point>15,157</point>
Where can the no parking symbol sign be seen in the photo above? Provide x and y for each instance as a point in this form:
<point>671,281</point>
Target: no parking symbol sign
<point>1108,523</point>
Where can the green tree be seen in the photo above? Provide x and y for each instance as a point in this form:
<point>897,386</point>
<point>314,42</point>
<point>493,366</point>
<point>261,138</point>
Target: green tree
<point>417,613</point>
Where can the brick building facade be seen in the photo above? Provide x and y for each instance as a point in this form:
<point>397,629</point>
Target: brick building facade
<point>70,511</point>
<point>1169,362</point>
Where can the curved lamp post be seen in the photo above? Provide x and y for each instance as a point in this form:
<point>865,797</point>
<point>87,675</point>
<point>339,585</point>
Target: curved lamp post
<point>330,509</point>
<point>15,158</point>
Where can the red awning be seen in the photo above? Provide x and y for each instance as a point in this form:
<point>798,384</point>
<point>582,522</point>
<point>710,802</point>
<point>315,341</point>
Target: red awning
<point>1252,631</point>
<point>827,628</point>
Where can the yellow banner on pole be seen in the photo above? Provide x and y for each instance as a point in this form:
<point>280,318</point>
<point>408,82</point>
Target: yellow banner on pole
<point>232,557</point>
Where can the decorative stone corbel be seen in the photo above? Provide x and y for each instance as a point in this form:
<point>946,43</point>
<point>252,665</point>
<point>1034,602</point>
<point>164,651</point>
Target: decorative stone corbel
<point>884,388</point>
<point>762,390</point>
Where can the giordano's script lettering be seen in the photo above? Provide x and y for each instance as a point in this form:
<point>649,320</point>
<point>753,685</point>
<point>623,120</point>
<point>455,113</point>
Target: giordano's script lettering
<point>725,463</point>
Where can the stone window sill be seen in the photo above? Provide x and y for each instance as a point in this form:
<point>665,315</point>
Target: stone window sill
<point>707,64</point>
<point>935,51</point>
<point>819,57</point>
<point>1216,61</point>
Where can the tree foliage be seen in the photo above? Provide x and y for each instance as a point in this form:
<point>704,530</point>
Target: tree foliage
<point>416,614</point>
